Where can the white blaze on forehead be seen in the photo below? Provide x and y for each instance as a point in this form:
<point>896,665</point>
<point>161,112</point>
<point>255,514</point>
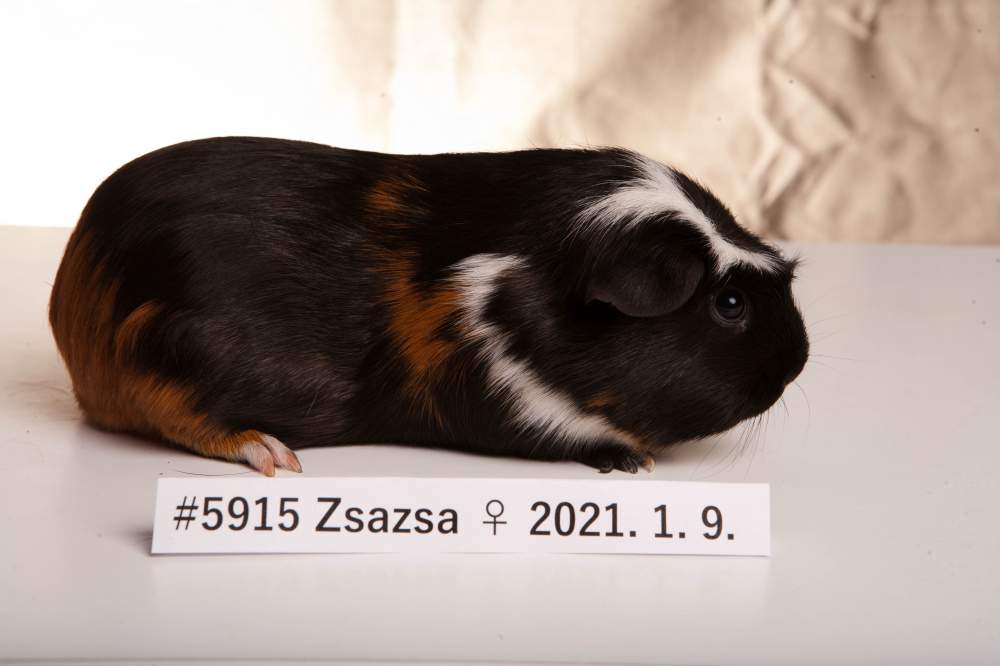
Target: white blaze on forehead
<point>533,403</point>
<point>655,192</point>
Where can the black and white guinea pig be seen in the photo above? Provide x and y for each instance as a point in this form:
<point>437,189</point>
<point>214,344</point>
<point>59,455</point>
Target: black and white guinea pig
<point>244,297</point>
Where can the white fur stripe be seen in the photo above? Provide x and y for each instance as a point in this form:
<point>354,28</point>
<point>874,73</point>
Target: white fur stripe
<point>656,192</point>
<point>533,403</point>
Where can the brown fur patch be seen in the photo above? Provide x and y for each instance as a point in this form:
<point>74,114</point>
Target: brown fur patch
<point>395,196</point>
<point>602,401</point>
<point>415,324</point>
<point>99,354</point>
<point>80,312</point>
<point>416,316</point>
<point>169,411</point>
<point>127,334</point>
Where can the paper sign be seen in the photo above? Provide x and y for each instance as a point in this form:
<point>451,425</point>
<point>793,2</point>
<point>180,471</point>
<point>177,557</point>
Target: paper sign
<point>364,515</point>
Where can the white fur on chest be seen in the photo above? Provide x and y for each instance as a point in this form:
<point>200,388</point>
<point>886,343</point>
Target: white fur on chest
<point>533,403</point>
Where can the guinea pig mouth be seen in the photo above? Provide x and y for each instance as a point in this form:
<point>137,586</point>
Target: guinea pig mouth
<point>771,387</point>
<point>766,394</point>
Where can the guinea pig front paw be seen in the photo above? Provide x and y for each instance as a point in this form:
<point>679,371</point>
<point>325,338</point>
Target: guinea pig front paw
<point>608,457</point>
<point>269,453</point>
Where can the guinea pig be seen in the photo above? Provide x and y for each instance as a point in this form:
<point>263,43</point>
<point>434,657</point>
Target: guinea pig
<point>245,297</point>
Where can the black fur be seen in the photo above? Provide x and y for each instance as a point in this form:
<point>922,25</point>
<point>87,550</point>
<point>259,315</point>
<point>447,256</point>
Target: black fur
<point>265,255</point>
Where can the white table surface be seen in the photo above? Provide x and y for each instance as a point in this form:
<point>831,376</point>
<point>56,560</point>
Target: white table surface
<point>884,473</point>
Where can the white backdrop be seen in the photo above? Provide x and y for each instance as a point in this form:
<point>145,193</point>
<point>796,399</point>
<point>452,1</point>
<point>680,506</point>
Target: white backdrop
<point>89,85</point>
<point>831,119</point>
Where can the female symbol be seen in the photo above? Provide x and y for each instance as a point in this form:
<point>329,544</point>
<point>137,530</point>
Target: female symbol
<point>497,511</point>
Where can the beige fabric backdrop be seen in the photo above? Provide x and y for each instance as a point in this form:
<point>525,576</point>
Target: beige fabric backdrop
<point>853,120</point>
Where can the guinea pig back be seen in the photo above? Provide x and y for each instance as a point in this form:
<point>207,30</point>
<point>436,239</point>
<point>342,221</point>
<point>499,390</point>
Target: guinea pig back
<point>244,297</point>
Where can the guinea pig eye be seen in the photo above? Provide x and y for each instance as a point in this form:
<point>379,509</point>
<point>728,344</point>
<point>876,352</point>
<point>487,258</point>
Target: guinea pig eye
<point>730,305</point>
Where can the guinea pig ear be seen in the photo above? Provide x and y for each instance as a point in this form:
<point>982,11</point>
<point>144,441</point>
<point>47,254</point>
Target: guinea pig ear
<point>647,286</point>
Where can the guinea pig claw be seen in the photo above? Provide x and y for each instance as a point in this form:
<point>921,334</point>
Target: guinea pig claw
<point>269,453</point>
<point>284,457</point>
<point>611,457</point>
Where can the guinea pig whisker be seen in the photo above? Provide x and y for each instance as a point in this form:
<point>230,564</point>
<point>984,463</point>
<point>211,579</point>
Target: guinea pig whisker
<point>803,391</point>
<point>711,450</point>
<point>815,340</point>
<point>830,318</point>
<point>784,406</point>
<point>838,358</point>
<point>708,451</point>
<point>733,455</point>
<point>764,420</point>
<point>821,297</point>
<point>742,443</point>
<point>808,408</point>
<point>821,364</point>
<point>725,464</point>
<point>753,443</point>
<point>761,435</point>
<point>46,386</point>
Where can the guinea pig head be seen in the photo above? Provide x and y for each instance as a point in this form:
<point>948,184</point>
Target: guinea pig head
<point>691,320</point>
<point>677,324</point>
<point>681,347</point>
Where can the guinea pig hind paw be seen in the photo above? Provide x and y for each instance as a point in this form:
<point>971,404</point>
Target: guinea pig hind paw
<point>269,453</point>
